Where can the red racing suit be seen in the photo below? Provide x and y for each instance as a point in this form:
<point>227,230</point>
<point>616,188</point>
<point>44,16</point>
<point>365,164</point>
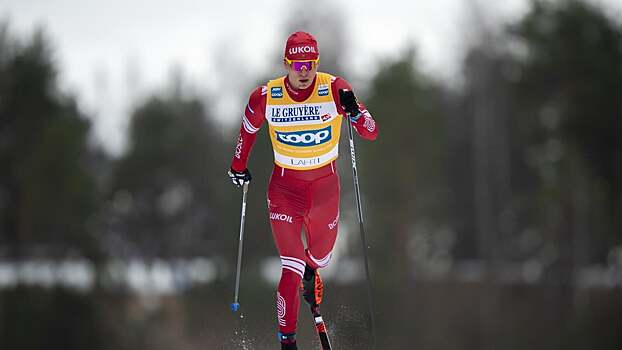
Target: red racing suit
<point>304,186</point>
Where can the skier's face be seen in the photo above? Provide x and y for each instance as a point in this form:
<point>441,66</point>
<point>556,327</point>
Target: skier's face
<point>301,76</point>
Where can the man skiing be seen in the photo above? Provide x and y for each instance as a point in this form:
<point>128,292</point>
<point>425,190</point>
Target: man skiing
<point>304,111</point>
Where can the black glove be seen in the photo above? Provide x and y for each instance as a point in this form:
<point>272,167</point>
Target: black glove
<point>240,178</point>
<point>348,101</point>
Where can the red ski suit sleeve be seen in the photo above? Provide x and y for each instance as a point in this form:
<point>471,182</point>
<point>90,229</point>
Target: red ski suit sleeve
<point>252,120</point>
<point>254,117</point>
<point>366,126</point>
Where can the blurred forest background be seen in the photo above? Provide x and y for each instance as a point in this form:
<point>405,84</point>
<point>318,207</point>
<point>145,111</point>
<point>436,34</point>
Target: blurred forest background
<point>493,207</point>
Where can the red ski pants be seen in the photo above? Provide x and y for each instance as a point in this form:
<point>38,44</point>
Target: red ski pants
<point>296,199</point>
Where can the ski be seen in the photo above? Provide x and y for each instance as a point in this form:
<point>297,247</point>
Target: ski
<point>320,327</point>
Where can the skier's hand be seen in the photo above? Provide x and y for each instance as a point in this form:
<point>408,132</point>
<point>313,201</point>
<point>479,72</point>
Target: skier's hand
<point>348,101</point>
<point>239,179</point>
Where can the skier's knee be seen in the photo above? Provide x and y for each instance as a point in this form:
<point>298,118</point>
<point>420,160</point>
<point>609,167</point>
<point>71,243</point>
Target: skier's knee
<point>319,262</point>
<point>293,264</point>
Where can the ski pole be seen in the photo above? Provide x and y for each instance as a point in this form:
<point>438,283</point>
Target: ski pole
<point>370,302</point>
<point>235,305</point>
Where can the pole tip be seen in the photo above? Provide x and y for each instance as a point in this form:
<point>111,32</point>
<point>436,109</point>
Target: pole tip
<point>235,307</point>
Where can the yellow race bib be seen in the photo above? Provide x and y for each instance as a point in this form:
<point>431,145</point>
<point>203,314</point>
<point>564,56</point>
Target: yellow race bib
<point>304,135</point>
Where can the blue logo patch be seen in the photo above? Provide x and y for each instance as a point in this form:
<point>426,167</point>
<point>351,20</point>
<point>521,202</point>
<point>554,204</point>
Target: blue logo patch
<point>305,138</point>
<point>276,92</point>
<point>322,90</point>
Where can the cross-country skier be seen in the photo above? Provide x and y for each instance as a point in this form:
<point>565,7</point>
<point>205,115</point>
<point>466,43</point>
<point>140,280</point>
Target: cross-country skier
<point>304,111</point>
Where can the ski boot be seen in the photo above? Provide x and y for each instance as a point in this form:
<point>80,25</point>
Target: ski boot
<point>313,291</point>
<point>288,341</point>
<point>312,287</point>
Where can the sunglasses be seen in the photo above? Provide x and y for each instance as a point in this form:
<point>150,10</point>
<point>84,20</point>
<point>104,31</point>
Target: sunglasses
<point>299,65</point>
